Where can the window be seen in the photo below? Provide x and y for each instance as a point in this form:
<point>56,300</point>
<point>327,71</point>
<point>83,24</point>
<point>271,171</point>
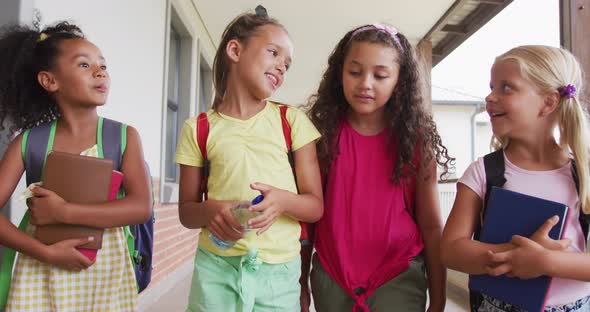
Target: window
<point>178,101</point>
<point>172,105</point>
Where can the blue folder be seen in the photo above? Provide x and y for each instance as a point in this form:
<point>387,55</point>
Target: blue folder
<point>510,213</point>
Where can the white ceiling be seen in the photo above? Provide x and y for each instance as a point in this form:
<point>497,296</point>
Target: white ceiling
<point>316,27</point>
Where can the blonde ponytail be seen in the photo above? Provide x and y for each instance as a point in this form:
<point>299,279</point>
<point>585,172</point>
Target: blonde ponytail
<point>557,70</point>
<point>574,134</point>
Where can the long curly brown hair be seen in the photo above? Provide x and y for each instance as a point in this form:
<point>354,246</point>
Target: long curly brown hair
<point>410,124</point>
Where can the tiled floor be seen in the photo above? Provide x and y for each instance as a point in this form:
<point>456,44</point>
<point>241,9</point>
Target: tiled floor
<point>176,300</point>
<point>457,299</point>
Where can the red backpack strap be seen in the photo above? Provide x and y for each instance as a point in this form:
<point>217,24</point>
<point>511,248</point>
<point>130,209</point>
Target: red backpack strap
<point>202,134</point>
<point>286,127</point>
<point>304,238</point>
<point>287,135</point>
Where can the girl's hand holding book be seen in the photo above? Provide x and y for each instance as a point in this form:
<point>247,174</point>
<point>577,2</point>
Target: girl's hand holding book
<point>65,255</point>
<point>541,236</point>
<point>526,261</point>
<point>46,207</point>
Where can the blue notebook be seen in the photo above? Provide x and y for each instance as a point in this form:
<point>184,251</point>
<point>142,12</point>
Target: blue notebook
<point>510,213</point>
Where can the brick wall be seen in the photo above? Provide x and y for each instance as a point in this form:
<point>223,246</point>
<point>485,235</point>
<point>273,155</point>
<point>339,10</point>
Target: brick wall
<point>173,243</point>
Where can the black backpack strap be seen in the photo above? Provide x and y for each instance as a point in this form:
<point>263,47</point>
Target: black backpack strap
<point>575,175</point>
<point>35,152</point>
<point>584,218</point>
<point>494,168</point>
<point>111,142</point>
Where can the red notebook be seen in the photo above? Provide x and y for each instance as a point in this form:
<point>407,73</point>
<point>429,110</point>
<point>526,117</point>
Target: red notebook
<point>116,181</point>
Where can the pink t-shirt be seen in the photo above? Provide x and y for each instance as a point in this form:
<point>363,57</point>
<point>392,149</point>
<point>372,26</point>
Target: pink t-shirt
<point>556,185</point>
<point>366,236</point>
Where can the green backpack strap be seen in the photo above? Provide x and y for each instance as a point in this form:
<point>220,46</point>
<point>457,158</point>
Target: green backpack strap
<point>118,139</point>
<point>10,254</point>
<point>128,234</point>
<point>8,264</point>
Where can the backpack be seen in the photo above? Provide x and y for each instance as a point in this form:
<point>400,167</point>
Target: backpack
<point>37,142</point>
<point>494,169</point>
<point>203,133</point>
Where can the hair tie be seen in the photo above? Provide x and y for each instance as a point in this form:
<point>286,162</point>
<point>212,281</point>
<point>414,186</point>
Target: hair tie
<point>390,30</point>
<point>568,91</point>
<point>42,37</point>
<point>261,11</point>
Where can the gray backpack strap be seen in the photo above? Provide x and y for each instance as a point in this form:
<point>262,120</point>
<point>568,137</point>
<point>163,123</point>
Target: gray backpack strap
<point>111,142</point>
<point>35,152</point>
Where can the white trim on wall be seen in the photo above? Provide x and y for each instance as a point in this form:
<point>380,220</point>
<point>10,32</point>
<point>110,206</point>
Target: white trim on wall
<point>180,16</point>
<point>164,100</point>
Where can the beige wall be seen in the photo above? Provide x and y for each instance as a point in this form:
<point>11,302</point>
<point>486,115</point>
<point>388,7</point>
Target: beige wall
<point>133,36</point>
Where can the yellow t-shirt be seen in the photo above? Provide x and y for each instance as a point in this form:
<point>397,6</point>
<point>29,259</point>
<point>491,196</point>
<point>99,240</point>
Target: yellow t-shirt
<point>246,151</point>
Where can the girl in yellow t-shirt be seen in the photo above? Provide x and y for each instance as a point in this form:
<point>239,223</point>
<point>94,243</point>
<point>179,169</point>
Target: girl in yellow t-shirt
<point>247,154</point>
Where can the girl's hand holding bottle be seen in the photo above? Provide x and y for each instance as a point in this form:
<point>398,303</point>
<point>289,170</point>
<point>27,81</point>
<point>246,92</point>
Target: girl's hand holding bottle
<point>223,225</point>
<point>240,213</point>
<point>270,208</point>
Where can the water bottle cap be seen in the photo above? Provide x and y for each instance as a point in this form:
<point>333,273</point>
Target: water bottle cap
<point>257,199</point>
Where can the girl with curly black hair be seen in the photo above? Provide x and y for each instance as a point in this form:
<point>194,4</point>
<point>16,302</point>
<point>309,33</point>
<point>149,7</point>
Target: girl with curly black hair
<point>379,150</point>
<point>55,79</point>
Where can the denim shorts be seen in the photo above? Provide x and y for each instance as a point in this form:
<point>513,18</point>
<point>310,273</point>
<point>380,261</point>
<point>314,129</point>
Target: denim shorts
<point>490,304</point>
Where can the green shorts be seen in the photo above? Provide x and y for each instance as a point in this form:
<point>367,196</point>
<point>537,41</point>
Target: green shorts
<point>405,292</point>
<point>237,284</point>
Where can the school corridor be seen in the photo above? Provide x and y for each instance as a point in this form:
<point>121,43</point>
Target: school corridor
<point>160,55</point>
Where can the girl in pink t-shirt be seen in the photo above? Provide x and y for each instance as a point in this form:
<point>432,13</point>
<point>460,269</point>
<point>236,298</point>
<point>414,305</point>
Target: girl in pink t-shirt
<point>378,151</point>
<point>534,90</point>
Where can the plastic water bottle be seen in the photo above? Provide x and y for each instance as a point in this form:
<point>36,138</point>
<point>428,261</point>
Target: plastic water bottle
<point>241,213</point>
